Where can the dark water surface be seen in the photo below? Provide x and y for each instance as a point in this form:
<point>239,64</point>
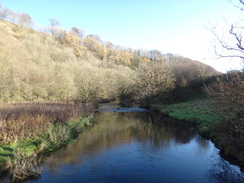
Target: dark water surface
<point>138,147</point>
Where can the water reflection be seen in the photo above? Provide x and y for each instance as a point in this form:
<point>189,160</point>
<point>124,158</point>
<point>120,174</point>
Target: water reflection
<point>135,147</point>
<point>224,171</point>
<point>112,130</point>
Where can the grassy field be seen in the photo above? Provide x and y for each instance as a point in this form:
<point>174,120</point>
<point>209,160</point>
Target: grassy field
<point>199,112</point>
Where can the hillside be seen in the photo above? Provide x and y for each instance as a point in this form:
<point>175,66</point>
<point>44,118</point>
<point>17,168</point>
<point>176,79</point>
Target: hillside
<point>60,64</point>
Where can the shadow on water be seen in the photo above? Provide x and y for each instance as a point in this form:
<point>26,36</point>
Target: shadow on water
<point>138,147</point>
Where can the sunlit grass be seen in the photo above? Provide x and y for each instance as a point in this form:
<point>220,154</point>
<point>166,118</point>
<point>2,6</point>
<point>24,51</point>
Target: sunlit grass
<point>200,112</point>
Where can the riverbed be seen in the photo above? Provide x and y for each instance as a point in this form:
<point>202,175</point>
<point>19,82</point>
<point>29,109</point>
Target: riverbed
<point>133,145</point>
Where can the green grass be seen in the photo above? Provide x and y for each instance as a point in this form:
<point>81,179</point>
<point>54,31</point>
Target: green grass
<point>6,155</point>
<point>199,112</point>
<point>55,137</point>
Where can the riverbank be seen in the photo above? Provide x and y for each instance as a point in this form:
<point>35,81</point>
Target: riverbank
<point>200,113</point>
<point>129,146</point>
<point>210,123</point>
<point>29,130</point>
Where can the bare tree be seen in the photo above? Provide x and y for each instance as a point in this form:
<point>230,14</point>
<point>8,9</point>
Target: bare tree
<point>154,78</point>
<point>229,89</point>
<point>4,12</point>
<point>228,92</point>
<point>25,20</point>
<point>233,43</point>
<point>156,55</point>
<point>78,32</point>
<point>54,22</point>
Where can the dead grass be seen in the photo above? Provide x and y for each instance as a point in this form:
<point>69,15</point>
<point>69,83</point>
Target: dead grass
<point>29,129</point>
<point>24,167</point>
<point>19,121</point>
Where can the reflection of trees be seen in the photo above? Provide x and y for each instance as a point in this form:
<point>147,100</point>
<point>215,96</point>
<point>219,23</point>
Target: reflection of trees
<point>113,128</point>
<point>203,145</point>
<point>171,129</point>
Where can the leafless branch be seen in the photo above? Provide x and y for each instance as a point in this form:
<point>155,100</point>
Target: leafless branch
<point>241,1</point>
<point>237,37</point>
<point>235,50</point>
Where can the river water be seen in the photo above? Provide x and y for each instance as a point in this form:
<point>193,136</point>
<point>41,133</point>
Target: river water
<point>132,145</point>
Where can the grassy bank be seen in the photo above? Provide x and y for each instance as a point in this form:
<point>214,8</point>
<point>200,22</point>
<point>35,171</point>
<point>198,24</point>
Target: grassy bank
<point>31,129</point>
<point>200,113</point>
<point>56,136</point>
<point>220,127</point>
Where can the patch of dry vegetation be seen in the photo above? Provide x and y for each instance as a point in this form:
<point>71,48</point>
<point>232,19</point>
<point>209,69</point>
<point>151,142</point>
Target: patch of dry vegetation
<point>29,129</point>
<point>228,91</point>
<point>20,121</point>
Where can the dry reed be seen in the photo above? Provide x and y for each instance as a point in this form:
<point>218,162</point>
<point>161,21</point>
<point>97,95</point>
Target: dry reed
<point>19,121</point>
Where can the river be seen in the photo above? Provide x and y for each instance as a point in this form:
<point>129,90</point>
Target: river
<point>132,145</point>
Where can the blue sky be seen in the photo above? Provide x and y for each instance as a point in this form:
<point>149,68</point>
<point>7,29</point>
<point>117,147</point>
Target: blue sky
<point>175,26</point>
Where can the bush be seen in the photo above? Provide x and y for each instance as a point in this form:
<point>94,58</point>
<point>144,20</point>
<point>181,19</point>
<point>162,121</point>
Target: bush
<point>228,92</point>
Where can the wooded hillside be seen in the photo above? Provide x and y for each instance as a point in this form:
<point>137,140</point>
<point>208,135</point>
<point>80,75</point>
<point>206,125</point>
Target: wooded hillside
<point>61,64</point>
